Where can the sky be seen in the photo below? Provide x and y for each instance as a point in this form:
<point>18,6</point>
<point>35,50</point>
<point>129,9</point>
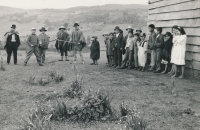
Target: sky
<point>63,4</point>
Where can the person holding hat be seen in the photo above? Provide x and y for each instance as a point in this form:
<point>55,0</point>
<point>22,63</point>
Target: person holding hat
<point>151,44</point>
<point>62,39</point>
<point>43,43</point>
<point>12,44</point>
<point>118,47</point>
<point>33,43</point>
<point>78,39</point>
<point>95,51</point>
<point>106,40</point>
<point>167,51</point>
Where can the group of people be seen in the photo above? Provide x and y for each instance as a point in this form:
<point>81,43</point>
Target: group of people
<point>167,50</point>
<point>38,44</point>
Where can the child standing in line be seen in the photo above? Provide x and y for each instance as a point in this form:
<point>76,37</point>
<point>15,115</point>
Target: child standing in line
<point>167,51</point>
<point>110,49</point>
<point>129,50</point>
<point>136,35</point>
<point>142,52</point>
<point>33,42</point>
<point>95,51</point>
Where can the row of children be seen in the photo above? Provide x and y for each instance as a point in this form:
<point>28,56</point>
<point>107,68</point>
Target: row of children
<point>168,49</point>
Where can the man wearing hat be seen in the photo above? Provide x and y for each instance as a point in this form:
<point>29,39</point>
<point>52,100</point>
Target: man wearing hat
<point>63,38</point>
<point>118,47</point>
<point>33,43</point>
<point>12,44</point>
<point>78,39</point>
<point>43,43</point>
<point>128,29</point>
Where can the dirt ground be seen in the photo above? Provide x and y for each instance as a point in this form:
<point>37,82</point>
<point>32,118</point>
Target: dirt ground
<point>149,92</point>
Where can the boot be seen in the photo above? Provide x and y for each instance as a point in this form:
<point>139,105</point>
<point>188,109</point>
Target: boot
<point>61,59</point>
<point>143,69</point>
<point>66,59</point>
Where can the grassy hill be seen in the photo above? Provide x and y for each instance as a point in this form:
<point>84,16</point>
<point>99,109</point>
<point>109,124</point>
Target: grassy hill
<point>93,19</point>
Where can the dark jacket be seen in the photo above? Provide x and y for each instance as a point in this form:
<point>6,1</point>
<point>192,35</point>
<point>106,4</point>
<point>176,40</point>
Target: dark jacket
<point>152,39</point>
<point>119,41</point>
<point>9,38</point>
<point>95,50</point>
<point>159,43</point>
<point>44,39</point>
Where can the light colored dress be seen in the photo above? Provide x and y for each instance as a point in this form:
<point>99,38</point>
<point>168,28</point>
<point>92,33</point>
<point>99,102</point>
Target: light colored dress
<point>142,53</point>
<point>179,49</point>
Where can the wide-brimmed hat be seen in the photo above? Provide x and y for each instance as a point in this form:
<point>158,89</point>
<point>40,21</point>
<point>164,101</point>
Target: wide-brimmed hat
<point>117,28</point>
<point>62,27</point>
<point>139,29</point>
<point>129,27</point>
<point>105,34</point>
<point>33,28</point>
<point>95,37</point>
<point>13,26</point>
<point>43,29</point>
<point>76,24</point>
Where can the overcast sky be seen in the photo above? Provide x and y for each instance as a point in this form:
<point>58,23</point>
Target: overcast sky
<point>57,4</point>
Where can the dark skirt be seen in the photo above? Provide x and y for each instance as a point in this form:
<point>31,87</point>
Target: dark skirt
<point>167,50</point>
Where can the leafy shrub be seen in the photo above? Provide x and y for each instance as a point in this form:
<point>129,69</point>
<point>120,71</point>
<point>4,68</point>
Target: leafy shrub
<point>31,80</point>
<point>91,107</point>
<point>52,74</point>
<point>75,90</point>
<point>2,65</point>
<point>134,122</point>
<point>58,78</point>
<point>38,120</point>
<point>124,109</point>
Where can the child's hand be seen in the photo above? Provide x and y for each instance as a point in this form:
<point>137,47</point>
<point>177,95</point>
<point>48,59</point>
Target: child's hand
<point>31,45</point>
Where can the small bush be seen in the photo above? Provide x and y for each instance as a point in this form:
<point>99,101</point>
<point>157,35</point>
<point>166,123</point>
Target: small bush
<point>91,107</point>
<point>38,120</point>
<point>52,74</point>
<point>31,80</point>
<point>43,82</point>
<point>75,90</point>
<point>58,78</point>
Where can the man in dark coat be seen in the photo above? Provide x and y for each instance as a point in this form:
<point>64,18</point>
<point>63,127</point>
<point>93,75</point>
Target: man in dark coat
<point>95,51</point>
<point>118,47</point>
<point>12,44</point>
<point>63,38</point>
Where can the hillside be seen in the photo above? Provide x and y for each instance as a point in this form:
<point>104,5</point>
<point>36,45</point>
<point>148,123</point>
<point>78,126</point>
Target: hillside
<point>93,18</point>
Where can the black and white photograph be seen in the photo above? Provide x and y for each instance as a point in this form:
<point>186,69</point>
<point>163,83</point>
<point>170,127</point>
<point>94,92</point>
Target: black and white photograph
<point>99,64</point>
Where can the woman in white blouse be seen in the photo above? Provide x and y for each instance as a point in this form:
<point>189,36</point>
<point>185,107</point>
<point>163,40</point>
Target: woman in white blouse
<point>179,49</point>
<point>142,52</point>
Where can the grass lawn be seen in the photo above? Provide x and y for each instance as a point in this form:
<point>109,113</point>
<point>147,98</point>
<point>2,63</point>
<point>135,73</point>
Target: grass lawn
<point>149,92</point>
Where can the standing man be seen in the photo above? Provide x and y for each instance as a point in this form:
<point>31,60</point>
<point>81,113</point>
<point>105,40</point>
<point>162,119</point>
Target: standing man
<point>118,47</point>
<point>138,31</point>
<point>33,43</point>
<point>78,39</point>
<point>43,43</point>
<point>12,44</point>
<point>151,43</point>
<point>129,29</point>
<point>63,38</point>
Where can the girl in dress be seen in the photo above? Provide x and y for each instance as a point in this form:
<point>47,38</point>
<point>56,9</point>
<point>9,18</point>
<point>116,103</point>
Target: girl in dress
<point>174,30</point>
<point>95,51</point>
<point>179,51</point>
<point>167,51</point>
<point>142,52</point>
